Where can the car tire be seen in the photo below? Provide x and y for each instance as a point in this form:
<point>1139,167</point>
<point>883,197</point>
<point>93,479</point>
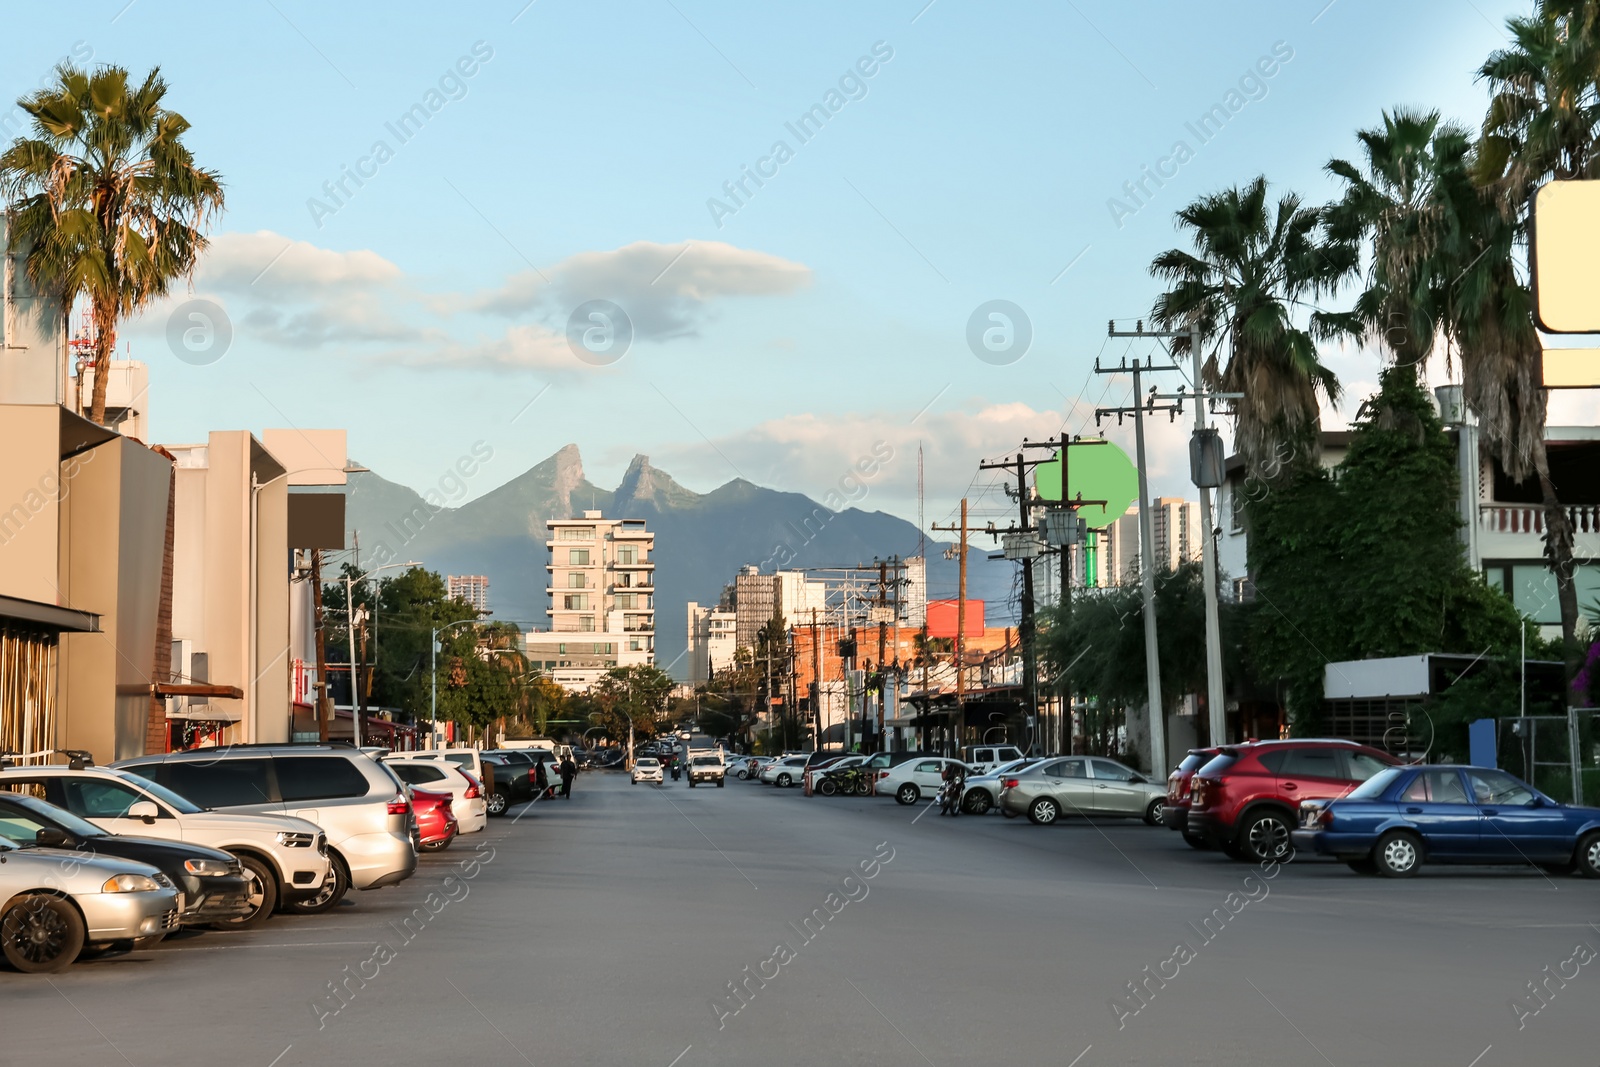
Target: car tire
<point>1008,813</point>
<point>908,793</point>
<point>721,782</point>
<point>41,934</point>
<point>1044,811</point>
<point>1364,865</point>
<point>784,781</point>
<point>263,896</point>
<point>1195,841</point>
<point>1397,854</point>
<point>1588,855</point>
<point>329,897</point>
<point>827,787</point>
<point>691,783</point>
<point>1264,837</point>
<point>497,804</point>
<point>977,802</point>
<point>1153,813</point>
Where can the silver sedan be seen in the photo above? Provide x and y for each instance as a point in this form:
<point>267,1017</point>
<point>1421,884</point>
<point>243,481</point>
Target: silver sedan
<point>1081,785</point>
<point>982,793</point>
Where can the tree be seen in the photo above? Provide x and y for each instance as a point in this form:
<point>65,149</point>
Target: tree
<point>636,695</point>
<point>106,198</point>
<point>1252,269</point>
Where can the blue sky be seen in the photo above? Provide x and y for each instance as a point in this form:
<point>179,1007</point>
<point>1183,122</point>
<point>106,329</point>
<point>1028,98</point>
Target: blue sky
<point>829,312</point>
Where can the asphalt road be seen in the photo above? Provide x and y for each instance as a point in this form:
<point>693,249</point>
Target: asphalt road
<point>607,930</point>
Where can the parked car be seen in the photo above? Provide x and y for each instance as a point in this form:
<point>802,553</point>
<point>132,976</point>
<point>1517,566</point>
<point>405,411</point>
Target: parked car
<point>1403,817</point>
<point>360,805</point>
<point>910,780</point>
<point>1246,800</point>
<point>707,767</point>
<point>646,769</point>
<point>1082,785</point>
<point>830,769</point>
<point>468,759</point>
<point>784,771</point>
<point>55,903</point>
<point>211,882</point>
<point>984,759</point>
<point>1177,814</point>
<point>532,759</point>
<point>982,792</point>
<point>436,823</point>
<point>750,766</point>
<point>466,792</point>
<point>507,782</point>
<point>285,859</point>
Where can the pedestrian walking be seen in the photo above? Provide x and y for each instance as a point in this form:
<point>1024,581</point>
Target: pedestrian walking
<point>569,771</point>
<point>541,780</point>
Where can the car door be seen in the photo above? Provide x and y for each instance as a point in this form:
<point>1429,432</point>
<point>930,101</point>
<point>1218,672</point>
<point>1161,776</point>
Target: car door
<point>105,803</point>
<point>1312,772</point>
<point>1437,804</point>
<point>1068,781</point>
<point>1115,792</point>
<point>927,774</point>
<point>242,785</point>
<point>1518,824</point>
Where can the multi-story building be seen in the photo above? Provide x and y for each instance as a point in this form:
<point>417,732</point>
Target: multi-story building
<point>602,599</point>
<point>1116,559</point>
<point>473,588</point>
<point>712,640</point>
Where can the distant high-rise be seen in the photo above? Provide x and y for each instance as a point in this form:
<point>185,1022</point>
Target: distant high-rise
<point>602,599</point>
<point>1175,523</point>
<point>473,588</point>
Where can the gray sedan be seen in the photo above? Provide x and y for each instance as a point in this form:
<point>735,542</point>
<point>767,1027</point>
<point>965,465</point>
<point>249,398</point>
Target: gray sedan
<point>982,793</point>
<point>1081,785</point>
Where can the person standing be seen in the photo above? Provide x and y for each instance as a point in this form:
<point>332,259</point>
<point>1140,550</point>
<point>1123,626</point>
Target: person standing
<point>569,771</point>
<point>541,780</point>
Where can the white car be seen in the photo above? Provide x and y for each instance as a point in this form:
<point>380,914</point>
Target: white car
<point>468,759</point>
<point>785,770</point>
<point>285,858</point>
<point>914,779</point>
<point>646,769</point>
<point>749,766</point>
<point>466,793</point>
<point>986,759</point>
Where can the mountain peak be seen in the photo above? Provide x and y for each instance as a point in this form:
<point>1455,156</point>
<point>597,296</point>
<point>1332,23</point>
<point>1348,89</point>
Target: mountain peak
<point>642,482</point>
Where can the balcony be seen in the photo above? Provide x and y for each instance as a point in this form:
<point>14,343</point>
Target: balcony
<point>1516,531</point>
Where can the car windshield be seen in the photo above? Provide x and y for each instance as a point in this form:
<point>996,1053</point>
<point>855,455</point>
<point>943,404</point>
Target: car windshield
<point>162,793</point>
<point>1192,762</point>
<point>1375,786</point>
<point>705,761</point>
<point>1219,764</point>
<point>647,762</point>
<point>46,812</point>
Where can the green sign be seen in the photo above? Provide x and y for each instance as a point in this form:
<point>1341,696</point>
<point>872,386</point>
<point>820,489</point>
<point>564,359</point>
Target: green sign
<point>1095,472</point>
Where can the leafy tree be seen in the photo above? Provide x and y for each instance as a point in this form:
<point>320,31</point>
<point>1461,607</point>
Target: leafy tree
<point>636,694</point>
<point>106,198</point>
<point>1252,269</point>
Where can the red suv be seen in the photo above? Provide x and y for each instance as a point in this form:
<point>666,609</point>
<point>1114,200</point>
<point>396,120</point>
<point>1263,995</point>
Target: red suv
<point>1176,814</point>
<point>1246,799</point>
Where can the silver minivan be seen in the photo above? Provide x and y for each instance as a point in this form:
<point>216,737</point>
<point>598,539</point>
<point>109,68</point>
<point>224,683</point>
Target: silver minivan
<point>359,803</point>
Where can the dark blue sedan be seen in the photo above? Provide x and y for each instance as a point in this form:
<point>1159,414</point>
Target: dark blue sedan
<point>1402,817</point>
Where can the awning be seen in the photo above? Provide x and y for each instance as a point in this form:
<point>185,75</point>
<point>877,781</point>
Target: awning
<point>51,617</point>
<point>196,689</point>
<point>202,713</point>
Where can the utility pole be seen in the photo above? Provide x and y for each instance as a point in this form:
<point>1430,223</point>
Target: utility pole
<point>1147,541</point>
<point>816,681</point>
<point>1205,480</point>
<point>324,704</point>
<point>961,630</point>
<point>356,702</point>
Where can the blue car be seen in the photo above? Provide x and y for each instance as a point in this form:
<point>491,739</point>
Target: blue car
<point>1402,817</point>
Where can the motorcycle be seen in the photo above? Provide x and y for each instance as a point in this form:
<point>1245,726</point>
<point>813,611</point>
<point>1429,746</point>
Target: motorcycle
<point>950,796</point>
<point>677,771</point>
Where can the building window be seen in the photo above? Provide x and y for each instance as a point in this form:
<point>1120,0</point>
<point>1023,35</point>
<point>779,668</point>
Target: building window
<point>586,623</point>
<point>602,648</point>
<point>576,602</point>
<point>561,649</point>
<point>635,645</point>
<point>627,554</point>
<point>627,600</point>
<point>578,557</point>
<point>575,533</point>
<point>576,580</point>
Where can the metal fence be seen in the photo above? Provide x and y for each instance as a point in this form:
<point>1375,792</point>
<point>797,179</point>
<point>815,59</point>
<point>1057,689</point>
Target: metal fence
<point>1557,753</point>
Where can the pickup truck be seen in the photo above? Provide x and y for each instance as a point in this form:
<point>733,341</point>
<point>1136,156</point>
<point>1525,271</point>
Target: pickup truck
<point>707,767</point>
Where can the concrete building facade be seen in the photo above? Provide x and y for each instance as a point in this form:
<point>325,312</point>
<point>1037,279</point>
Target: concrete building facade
<point>473,588</point>
<point>602,599</point>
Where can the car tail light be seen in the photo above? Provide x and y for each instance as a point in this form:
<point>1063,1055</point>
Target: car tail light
<point>1009,783</point>
<point>883,774</point>
<point>473,791</point>
<point>399,805</point>
<point>1197,793</point>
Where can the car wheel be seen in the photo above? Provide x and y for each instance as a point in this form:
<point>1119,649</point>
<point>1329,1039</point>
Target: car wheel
<point>1588,855</point>
<point>1195,841</point>
<point>908,793</point>
<point>497,804</point>
<point>827,787</point>
<point>41,934</point>
<point>263,895</point>
<point>977,802</point>
<point>1364,865</point>
<point>1153,814</point>
<point>328,897</point>
<point>1397,854</point>
<point>1044,811</point>
<point>1265,837</point>
<point>721,782</point>
<point>784,781</point>
<point>691,783</point>
<point>1008,813</point>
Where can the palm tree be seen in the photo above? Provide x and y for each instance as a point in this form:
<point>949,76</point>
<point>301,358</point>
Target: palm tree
<point>1254,266</point>
<point>106,198</point>
<point>1405,198</point>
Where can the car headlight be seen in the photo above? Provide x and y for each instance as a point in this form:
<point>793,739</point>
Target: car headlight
<point>290,839</point>
<point>129,883</point>
<point>206,868</point>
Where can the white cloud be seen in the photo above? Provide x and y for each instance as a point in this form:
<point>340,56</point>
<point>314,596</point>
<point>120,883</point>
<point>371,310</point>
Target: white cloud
<point>267,265</point>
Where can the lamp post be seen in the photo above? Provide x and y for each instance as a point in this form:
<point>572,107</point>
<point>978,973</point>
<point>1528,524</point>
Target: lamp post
<point>350,632</point>
<point>433,670</point>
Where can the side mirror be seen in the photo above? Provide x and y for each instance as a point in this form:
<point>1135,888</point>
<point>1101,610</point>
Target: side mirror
<point>1538,802</point>
<point>1141,779</point>
<point>144,809</point>
<point>50,837</point>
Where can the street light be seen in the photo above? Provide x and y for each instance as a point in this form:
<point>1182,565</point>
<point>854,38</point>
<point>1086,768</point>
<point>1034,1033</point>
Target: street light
<point>350,632</point>
<point>433,670</point>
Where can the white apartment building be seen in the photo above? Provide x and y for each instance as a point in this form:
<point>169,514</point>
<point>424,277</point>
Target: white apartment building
<point>1116,553</point>
<point>602,599</point>
<point>712,640</point>
<point>473,588</point>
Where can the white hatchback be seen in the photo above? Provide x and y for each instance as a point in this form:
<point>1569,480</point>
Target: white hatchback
<point>466,793</point>
<point>646,769</point>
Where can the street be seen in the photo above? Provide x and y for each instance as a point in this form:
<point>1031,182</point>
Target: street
<point>615,928</point>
